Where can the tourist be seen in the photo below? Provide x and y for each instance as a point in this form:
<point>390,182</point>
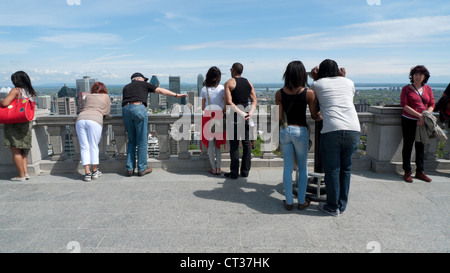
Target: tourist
<point>18,135</point>
<point>238,91</point>
<point>443,106</point>
<point>293,99</point>
<point>135,118</point>
<point>340,133</point>
<point>89,126</point>
<point>415,98</point>
<point>213,94</point>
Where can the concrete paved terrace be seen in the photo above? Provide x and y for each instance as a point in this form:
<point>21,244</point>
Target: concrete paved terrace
<point>202,213</point>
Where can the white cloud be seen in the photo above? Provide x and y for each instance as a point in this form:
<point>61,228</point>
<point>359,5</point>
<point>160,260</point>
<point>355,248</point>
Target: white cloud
<point>175,21</point>
<point>5,89</point>
<point>13,48</point>
<point>388,33</point>
<point>72,40</point>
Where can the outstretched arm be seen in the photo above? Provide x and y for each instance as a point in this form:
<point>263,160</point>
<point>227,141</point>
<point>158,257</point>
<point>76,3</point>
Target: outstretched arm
<point>168,93</point>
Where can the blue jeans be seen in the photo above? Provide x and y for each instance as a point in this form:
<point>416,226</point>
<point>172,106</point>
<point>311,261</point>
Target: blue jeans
<point>135,118</point>
<point>295,139</point>
<point>337,151</point>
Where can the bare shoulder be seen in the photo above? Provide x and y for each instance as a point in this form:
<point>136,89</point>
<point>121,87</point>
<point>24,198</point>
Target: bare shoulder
<point>15,90</point>
<point>230,81</point>
<point>309,92</point>
<point>230,84</point>
<point>278,96</point>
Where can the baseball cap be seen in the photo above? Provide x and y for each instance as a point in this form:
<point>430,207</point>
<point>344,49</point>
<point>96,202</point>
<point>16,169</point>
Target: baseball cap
<point>137,74</point>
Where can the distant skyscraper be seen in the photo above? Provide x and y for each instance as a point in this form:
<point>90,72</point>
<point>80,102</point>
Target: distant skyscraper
<point>66,106</point>
<point>200,81</point>
<point>191,97</point>
<point>116,109</point>
<point>85,84</point>
<point>44,102</point>
<point>66,91</point>
<point>195,101</point>
<point>154,97</point>
<point>175,86</point>
<point>154,101</point>
<point>154,80</point>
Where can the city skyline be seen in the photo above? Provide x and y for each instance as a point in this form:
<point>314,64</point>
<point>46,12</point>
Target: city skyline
<point>376,41</point>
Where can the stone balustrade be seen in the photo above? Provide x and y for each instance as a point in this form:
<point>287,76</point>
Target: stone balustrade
<point>381,150</point>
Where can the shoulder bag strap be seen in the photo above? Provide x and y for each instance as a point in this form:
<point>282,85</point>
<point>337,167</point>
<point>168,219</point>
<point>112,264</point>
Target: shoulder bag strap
<point>417,92</point>
<point>209,102</point>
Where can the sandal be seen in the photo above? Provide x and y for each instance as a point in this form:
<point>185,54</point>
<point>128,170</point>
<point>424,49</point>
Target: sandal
<point>286,206</point>
<point>212,171</point>
<point>304,205</point>
<point>218,171</point>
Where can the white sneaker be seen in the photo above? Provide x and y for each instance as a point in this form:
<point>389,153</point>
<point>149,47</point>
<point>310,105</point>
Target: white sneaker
<point>18,179</point>
<point>87,177</point>
<point>96,174</point>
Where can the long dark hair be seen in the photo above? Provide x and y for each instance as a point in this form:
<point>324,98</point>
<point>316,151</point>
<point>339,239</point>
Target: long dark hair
<point>20,79</point>
<point>295,75</point>
<point>212,77</point>
<point>328,68</point>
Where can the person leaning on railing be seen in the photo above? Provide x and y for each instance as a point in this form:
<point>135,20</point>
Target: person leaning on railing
<point>89,126</point>
<point>340,133</point>
<point>293,100</point>
<point>135,118</point>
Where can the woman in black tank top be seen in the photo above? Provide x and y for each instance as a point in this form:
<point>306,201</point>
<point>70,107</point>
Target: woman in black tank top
<point>293,99</point>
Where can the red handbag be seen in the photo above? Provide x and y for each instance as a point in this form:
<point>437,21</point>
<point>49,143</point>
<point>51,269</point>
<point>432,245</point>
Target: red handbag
<point>18,111</point>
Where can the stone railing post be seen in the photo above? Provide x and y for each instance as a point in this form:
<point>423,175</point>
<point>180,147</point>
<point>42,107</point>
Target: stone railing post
<point>120,135</point>
<point>269,129</point>
<point>56,141</point>
<point>384,139</point>
<point>162,126</point>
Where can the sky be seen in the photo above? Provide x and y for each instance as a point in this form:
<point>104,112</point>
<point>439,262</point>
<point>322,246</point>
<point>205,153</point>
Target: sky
<point>377,41</point>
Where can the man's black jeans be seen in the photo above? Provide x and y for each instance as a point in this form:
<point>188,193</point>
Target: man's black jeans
<point>234,153</point>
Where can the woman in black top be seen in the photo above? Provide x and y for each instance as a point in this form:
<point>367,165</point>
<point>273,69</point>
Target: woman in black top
<point>293,99</point>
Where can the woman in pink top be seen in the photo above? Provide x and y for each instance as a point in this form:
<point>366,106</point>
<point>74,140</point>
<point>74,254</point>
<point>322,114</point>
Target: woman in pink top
<point>89,127</point>
<point>415,98</point>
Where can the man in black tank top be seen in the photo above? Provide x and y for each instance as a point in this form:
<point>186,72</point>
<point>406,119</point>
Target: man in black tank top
<point>238,91</point>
